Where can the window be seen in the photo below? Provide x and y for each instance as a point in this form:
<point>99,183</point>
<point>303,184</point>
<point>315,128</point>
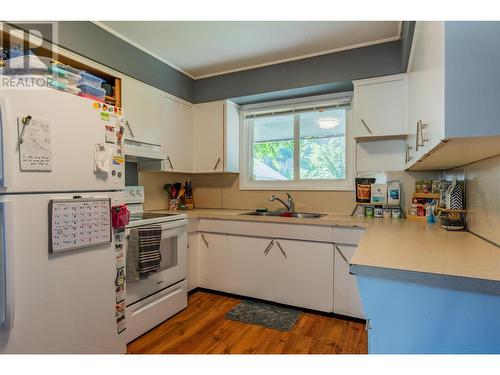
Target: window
<point>297,146</point>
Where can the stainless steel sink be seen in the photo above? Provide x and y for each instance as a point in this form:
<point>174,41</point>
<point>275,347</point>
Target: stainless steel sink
<point>303,215</point>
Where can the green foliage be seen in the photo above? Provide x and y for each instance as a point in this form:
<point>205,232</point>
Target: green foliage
<point>322,158</point>
<point>319,158</point>
<point>277,155</point>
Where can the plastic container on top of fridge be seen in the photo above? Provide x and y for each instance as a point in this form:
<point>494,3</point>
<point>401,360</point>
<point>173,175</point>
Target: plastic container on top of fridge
<point>87,88</point>
<point>91,97</point>
<point>90,79</point>
<point>61,72</point>
<point>26,64</point>
<point>59,83</point>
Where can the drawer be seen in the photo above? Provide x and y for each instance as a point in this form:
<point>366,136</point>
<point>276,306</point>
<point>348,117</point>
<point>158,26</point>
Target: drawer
<point>347,235</point>
<point>318,233</point>
<point>148,313</point>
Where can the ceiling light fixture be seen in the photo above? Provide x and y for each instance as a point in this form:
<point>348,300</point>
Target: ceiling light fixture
<point>328,122</point>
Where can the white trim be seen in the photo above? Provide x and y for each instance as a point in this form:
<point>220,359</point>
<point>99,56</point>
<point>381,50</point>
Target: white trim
<point>300,57</point>
<point>381,79</point>
<point>346,184</point>
<point>138,46</point>
<point>296,103</point>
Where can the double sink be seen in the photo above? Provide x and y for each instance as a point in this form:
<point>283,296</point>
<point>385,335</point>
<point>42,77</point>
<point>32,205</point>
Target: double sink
<point>302,215</point>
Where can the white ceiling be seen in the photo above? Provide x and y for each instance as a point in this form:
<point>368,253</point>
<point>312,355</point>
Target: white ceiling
<point>206,48</point>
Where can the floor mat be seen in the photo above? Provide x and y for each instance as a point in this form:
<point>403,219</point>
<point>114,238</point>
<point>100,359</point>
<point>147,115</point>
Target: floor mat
<point>264,314</point>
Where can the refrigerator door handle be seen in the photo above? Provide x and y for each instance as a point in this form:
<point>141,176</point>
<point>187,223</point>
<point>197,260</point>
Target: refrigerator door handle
<point>6,267</point>
<point>2,136</point>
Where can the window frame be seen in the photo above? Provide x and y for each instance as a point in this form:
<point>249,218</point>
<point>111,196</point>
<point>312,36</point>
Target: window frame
<point>246,146</point>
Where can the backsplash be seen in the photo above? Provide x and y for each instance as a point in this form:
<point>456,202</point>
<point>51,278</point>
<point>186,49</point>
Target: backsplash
<point>482,191</point>
<point>222,191</point>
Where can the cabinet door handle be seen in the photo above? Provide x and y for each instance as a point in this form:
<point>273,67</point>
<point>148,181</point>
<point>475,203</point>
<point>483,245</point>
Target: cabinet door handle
<point>422,139</point>
<point>281,249</point>
<point>408,156</point>
<point>342,254</point>
<point>217,164</point>
<point>170,163</point>
<point>366,126</point>
<point>367,325</point>
<point>268,248</point>
<point>417,140</point>
<point>127,124</point>
<point>420,136</point>
<point>204,240</point>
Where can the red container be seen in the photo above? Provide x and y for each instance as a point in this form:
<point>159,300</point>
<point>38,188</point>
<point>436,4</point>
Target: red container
<point>120,216</point>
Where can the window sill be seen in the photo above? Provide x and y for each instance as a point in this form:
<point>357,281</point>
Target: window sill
<point>294,186</point>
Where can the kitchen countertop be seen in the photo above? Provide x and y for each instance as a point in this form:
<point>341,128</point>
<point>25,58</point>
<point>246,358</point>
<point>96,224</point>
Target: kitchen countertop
<point>403,249</point>
<point>224,214</point>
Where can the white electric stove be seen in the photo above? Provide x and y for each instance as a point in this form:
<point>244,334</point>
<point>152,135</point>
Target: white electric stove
<point>155,297</point>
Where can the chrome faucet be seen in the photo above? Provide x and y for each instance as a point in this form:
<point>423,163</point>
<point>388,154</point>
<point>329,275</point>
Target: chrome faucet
<point>290,205</point>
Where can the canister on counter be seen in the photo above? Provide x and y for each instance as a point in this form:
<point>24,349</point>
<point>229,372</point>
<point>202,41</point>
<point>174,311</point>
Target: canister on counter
<point>387,213</point>
<point>369,211</point>
<point>396,213</point>
<point>378,212</point>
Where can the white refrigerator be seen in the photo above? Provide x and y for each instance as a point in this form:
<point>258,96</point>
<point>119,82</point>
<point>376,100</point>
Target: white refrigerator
<point>56,301</point>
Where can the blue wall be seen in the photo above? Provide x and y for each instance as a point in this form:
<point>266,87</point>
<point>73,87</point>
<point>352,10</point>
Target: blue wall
<point>408,317</point>
<point>311,76</point>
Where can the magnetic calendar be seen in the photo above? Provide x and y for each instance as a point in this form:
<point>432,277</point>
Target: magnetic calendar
<point>77,223</point>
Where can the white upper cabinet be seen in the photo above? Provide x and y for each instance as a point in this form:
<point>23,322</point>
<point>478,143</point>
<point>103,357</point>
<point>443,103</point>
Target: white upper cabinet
<point>380,106</point>
<point>216,137</point>
<point>453,85</point>
<point>142,109</point>
<point>177,135</point>
<point>426,90</point>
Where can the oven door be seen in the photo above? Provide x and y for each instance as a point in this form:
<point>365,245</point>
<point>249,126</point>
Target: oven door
<point>173,268</point>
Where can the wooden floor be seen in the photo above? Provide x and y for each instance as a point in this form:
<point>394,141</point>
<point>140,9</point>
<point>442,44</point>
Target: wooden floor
<point>202,329</point>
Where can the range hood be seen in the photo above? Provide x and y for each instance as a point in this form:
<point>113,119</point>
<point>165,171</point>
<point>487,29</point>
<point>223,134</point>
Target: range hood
<point>139,151</point>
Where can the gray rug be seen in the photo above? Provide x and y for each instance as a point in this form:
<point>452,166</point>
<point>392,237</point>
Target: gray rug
<point>264,314</point>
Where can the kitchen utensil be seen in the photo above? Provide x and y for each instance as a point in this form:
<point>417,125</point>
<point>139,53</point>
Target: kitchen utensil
<point>168,188</point>
<point>177,186</point>
<point>182,192</point>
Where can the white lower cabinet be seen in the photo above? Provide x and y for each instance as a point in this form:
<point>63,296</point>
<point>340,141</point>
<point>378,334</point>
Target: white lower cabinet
<point>251,271</point>
<point>304,274</point>
<point>193,260</point>
<point>298,273</point>
<point>215,261</point>
<point>346,298</point>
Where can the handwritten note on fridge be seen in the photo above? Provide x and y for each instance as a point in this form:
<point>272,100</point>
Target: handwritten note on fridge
<point>35,153</point>
<point>79,223</point>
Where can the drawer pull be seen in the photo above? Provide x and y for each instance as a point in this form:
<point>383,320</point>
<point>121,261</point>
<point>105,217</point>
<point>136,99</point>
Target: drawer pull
<point>204,240</point>
<point>281,249</point>
<point>127,124</point>
<point>170,163</point>
<point>342,254</point>
<point>216,164</point>
<point>268,248</point>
